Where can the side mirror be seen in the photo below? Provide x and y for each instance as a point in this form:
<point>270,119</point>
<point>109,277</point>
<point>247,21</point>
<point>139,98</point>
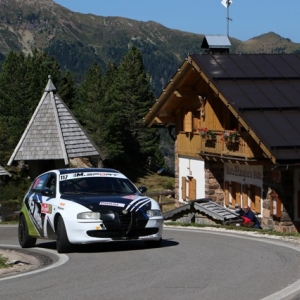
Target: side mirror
<point>47,192</point>
<point>142,189</point>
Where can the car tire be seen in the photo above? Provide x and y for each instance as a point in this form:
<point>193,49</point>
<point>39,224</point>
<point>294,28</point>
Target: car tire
<point>153,244</point>
<point>25,240</point>
<point>62,242</point>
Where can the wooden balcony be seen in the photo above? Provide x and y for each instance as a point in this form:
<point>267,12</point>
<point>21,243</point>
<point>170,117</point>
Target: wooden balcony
<point>241,148</point>
<point>193,144</point>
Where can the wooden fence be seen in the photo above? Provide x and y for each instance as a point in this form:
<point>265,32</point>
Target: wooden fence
<point>159,195</point>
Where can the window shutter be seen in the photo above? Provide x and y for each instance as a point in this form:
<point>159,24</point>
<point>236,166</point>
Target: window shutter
<point>188,122</point>
<point>183,188</point>
<point>196,124</point>
<point>252,197</point>
<point>226,192</point>
<point>192,189</point>
<point>257,199</point>
<point>245,195</point>
<point>233,193</point>
<point>238,193</point>
<point>275,204</point>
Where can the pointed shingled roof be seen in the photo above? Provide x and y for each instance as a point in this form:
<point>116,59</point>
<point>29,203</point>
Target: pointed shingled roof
<point>3,172</point>
<point>53,133</point>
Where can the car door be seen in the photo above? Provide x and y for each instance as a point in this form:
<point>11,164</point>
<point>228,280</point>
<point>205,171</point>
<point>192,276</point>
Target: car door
<point>35,203</point>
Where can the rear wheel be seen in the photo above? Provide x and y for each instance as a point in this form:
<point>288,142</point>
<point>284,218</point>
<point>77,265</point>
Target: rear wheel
<point>25,240</point>
<point>62,242</point>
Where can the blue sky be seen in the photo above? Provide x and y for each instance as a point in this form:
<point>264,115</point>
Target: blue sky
<point>250,18</point>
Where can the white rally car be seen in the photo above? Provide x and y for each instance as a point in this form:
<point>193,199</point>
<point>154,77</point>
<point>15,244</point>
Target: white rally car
<point>88,205</point>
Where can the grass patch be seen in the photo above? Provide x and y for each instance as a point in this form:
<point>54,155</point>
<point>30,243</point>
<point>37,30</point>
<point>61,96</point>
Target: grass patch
<point>3,261</point>
<point>156,182</point>
<point>9,222</point>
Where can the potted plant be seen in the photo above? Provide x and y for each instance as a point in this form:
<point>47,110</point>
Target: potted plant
<point>211,135</point>
<point>231,136</point>
<point>203,132</point>
<point>207,134</point>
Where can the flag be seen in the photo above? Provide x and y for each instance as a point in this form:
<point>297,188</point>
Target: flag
<point>226,3</point>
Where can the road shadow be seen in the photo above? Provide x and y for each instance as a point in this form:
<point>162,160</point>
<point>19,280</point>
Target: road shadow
<point>110,246</point>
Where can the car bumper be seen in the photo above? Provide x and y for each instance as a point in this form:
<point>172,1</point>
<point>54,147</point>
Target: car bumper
<point>87,232</point>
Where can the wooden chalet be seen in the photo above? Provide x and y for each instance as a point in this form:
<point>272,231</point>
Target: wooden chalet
<point>52,137</point>
<point>237,132</point>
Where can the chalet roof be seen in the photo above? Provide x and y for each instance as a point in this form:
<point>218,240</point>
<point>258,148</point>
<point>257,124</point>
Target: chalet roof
<point>261,90</point>
<point>53,133</point>
<point>215,41</point>
<point>3,172</point>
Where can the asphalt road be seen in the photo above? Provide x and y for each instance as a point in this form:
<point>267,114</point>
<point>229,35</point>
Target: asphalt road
<point>191,264</point>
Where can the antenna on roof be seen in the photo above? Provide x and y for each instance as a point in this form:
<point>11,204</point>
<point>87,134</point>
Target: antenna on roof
<point>227,3</point>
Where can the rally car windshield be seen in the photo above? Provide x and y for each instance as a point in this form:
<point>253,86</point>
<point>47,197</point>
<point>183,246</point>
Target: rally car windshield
<point>97,185</point>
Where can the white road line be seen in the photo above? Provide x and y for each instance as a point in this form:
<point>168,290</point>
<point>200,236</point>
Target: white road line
<point>293,288</point>
<point>62,259</point>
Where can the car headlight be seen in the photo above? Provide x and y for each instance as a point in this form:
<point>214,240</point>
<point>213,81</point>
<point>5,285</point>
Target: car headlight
<point>89,215</point>
<point>153,213</point>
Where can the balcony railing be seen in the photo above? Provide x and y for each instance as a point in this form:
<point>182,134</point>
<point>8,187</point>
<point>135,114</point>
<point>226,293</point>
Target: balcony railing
<point>242,147</point>
<point>194,143</point>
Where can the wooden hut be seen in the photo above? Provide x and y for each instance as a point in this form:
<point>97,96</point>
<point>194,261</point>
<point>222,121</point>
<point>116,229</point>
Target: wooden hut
<point>53,136</point>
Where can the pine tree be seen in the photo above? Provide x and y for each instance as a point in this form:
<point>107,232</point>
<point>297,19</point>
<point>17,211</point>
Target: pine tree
<point>14,101</point>
<point>67,90</point>
<point>128,98</point>
<point>111,131</point>
<point>90,94</point>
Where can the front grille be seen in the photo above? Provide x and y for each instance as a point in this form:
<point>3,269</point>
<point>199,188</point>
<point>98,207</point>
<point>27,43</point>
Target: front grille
<point>125,220</point>
<point>117,235</point>
<point>105,234</point>
<point>144,231</point>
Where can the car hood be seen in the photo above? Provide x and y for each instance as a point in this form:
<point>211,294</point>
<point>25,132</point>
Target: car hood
<point>110,203</point>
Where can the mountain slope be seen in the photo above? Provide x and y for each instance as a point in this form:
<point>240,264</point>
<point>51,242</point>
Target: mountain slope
<point>76,40</point>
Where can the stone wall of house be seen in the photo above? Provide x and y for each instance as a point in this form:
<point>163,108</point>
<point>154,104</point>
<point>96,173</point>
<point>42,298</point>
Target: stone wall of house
<point>176,172</point>
<point>214,179</point>
<point>281,181</point>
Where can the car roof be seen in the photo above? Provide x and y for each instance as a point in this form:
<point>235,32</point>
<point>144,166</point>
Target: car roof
<point>77,170</point>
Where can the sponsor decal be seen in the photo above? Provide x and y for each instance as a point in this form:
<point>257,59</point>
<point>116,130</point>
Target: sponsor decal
<point>62,203</point>
<point>90,174</point>
<point>135,205</point>
<point>112,204</point>
<point>78,175</point>
<point>98,227</point>
<point>130,197</point>
<point>46,208</point>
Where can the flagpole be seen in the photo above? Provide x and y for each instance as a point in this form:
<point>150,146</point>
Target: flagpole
<point>227,3</point>
<point>228,19</point>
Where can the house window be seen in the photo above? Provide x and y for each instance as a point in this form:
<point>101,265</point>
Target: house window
<point>188,188</point>
<point>232,192</point>
<point>245,195</point>
<point>275,205</point>
<point>236,193</point>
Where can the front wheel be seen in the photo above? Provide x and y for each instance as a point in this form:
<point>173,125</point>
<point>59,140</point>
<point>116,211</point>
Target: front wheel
<point>25,240</point>
<point>62,242</point>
